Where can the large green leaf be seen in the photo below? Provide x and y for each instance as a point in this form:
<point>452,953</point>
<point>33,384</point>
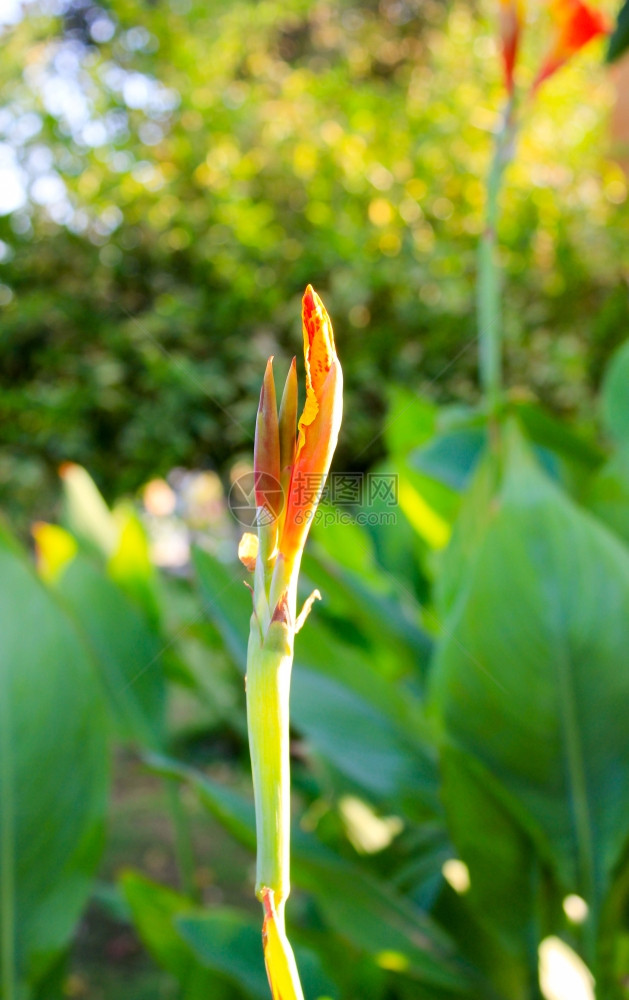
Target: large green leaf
<point>53,775</point>
<point>128,652</point>
<point>530,677</point>
<point>501,862</point>
<point>475,514</point>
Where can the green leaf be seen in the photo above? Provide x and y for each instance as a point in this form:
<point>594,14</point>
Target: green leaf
<point>377,920</point>
<point>53,775</point>
<point>226,602</point>
<point>615,398</point>
<point>155,910</point>
<point>127,651</point>
<point>502,877</point>
<point>450,457</point>
<point>475,514</point>
<point>358,739</point>
<point>130,563</point>
<point>226,942</point>
<point>552,435</point>
<point>608,494</point>
<point>619,41</point>
<point>410,421</point>
<point>385,620</point>
<point>529,684</point>
<point>85,511</point>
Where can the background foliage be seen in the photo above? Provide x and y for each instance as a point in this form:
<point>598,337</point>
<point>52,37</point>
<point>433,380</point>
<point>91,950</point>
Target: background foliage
<point>191,166</point>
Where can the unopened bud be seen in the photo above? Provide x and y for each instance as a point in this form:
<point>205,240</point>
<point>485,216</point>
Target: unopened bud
<point>248,550</point>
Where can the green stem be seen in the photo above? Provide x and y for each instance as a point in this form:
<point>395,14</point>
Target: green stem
<point>489,285</point>
<point>268,685</point>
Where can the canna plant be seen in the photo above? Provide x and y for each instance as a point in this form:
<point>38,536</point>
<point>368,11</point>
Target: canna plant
<point>290,467</point>
<point>573,25</point>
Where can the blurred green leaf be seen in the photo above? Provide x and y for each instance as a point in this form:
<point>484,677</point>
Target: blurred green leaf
<point>385,621</point>
<point>524,645</point>
<point>556,436</point>
<point>155,910</point>
<point>361,742</point>
<point>450,458</point>
<point>128,652</point>
<point>619,41</point>
<point>230,944</point>
<point>130,564</point>
<point>476,512</point>
<point>85,512</point>
<point>615,398</point>
<point>497,852</point>
<point>53,775</point>
<point>226,602</point>
<point>608,494</point>
<point>234,812</point>
<point>410,422</point>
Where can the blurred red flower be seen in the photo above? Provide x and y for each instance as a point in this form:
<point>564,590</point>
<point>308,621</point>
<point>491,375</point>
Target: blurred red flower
<point>574,25</point>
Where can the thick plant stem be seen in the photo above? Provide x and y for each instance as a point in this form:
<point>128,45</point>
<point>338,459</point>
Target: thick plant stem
<point>269,664</point>
<point>268,686</point>
<point>489,285</point>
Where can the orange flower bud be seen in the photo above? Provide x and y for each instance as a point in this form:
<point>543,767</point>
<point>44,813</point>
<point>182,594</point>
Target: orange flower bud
<point>318,428</point>
<point>575,24</point>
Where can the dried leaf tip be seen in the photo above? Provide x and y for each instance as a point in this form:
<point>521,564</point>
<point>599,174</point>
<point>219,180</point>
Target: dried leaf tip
<point>282,611</point>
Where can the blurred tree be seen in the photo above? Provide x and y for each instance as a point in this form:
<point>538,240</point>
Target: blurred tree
<point>173,174</point>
